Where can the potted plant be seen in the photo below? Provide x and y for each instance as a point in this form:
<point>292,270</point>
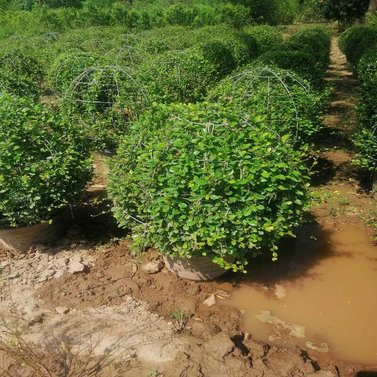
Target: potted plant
<point>44,167</point>
<point>200,181</point>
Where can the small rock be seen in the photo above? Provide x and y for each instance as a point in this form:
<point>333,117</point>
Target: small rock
<point>36,318</point>
<point>76,267</point>
<point>15,275</point>
<point>280,291</point>
<point>58,274</point>
<point>134,268</point>
<point>153,267</point>
<point>210,301</point>
<point>62,310</point>
<point>322,347</point>
<point>46,275</point>
<point>219,346</point>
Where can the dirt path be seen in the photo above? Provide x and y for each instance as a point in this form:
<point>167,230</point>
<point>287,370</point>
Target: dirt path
<point>340,184</point>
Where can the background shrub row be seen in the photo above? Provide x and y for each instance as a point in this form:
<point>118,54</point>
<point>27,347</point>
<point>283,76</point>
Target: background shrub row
<point>359,43</point>
<point>209,135</point>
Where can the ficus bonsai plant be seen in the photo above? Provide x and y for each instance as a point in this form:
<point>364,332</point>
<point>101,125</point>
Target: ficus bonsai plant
<point>200,180</point>
<point>44,163</point>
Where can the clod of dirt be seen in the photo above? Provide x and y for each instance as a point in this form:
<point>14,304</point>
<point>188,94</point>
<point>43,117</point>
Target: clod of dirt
<point>219,346</point>
<point>288,363</point>
<point>76,267</point>
<point>280,291</point>
<point>153,267</point>
<point>62,310</point>
<point>210,301</point>
<point>322,347</point>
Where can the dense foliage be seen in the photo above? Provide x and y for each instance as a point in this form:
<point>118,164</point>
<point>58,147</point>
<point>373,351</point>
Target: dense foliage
<point>356,40</point>
<point>366,132</point>
<point>316,41</point>
<point>299,62</point>
<point>201,180</point>
<point>310,10</point>
<point>20,74</point>
<point>180,76</point>
<point>345,11</point>
<point>267,37</point>
<point>130,17</point>
<point>106,99</point>
<point>224,177</point>
<point>359,43</point>
<point>306,53</point>
<point>68,66</point>
<point>44,165</point>
<point>288,104</point>
<point>273,12</point>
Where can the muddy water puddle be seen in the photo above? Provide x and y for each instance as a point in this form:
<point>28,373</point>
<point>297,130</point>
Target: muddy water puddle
<point>321,295</point>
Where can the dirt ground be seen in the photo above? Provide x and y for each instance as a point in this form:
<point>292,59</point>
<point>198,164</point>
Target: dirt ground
<point>92,309</point>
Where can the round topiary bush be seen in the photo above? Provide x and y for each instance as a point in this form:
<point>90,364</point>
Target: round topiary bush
<point>300,62</point>
<point>68,66</point>
<point>44,163</point>
<point>199,179</point>
<point>243,46</point>
<point>107,99</point>
<point>365,137</point>
<point>315,41</point>
<point>178,76</point>
<point>20,74</point>
<point>218,54</point>
<point>288,103</point>
<point>266,37</point>
<point>356,40</point>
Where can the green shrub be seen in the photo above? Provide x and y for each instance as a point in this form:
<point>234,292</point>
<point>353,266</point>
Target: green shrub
<point>344,11</point>
<point>366,132</point>
<point>299,62</point>
<point>356,40</point>
<point>199,179</point>
<point>234,15</point>
<point>266,37</point>
<point>204,15</point>
<point>310,10</point>
<point>273,12</point>
<point>287,103</point>
<point>220,56</point>
<point>178,76</point>
<point>157,41</point>
<point>316,41</point>
<point>244,47</point>
<point>68,66</point>
<point>20,74</point>
<point>179,14</point>
<point>107,99</point>
<point>372,19</point>
<point>44,164</point>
